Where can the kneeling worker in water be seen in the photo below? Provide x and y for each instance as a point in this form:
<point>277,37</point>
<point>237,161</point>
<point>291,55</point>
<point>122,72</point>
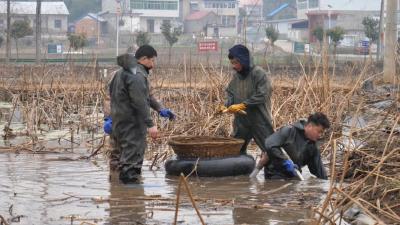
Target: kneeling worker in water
<point>294,146</point>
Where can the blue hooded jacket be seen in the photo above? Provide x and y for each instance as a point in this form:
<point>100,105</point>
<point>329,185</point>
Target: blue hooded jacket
<point>241,53</point>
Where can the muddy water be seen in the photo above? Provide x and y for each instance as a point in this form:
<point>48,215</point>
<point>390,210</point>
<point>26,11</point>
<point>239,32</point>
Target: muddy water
<point>50,189</point>
<point>63,189</point>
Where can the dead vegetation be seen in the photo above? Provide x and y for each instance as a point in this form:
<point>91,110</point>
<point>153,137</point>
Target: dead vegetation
<point>364,160</point>
<point>50,99</point>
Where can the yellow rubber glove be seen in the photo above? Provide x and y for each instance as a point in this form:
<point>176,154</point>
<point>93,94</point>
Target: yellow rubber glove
<point>221,109</point>
<point>236,108</point>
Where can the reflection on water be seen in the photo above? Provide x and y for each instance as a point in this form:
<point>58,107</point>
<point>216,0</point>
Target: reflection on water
<point>59,189</point>
<point>47,189</point>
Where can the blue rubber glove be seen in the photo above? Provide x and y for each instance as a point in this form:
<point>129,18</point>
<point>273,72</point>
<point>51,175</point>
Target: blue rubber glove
<point>167,113</point>
<point>290,166</point>
<point>107,125</point>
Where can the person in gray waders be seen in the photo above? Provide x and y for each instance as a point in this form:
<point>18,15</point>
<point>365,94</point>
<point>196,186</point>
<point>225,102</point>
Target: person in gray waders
<point>249,99</point>
<point>130,110</point>
<point>294,146</point>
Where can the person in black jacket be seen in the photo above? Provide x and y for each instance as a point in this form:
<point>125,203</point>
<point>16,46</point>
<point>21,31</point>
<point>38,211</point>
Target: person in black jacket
<point>299,141</point>
<point>131,101</point>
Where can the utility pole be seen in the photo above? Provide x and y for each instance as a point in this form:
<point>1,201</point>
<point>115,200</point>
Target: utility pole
<point>8,41</point>
<point>380,36</point>
<point>117,47</point>
<point>118,13</point>
<point>38,36</point>
<point>389,65</point>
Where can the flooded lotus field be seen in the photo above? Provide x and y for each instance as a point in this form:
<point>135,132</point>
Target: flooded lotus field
<point>66,187</point>
<point>49,189</point>
<point>54,165</point>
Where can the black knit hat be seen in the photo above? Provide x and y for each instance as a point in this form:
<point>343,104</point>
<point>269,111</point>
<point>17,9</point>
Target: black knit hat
<point>145,50</point>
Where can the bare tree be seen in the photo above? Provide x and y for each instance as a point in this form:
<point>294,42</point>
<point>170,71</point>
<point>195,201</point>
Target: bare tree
<point>20,29</point>
<point>142,38</point>
<point>171,34</point>
<point>336,34</point>
<point>8,37</point>
<point>38,36</point>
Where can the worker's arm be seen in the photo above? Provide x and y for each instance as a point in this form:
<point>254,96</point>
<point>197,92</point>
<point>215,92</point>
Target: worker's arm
<point>154,103</point>
<point>110,83</point>
<point>277,140</point>
<point>315,164</point>
<point>263,90</point>
<point>110,86</point>
<point>138,92</point>
<point>157,106</point>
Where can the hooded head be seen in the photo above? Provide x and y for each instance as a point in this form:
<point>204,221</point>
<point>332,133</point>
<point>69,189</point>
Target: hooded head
<point>239,56</point>
<point>126,61</point>
<point>146,56</point>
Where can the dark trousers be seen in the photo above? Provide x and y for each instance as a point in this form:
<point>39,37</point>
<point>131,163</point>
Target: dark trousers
<point>131,145</point>
<point>258,132</point>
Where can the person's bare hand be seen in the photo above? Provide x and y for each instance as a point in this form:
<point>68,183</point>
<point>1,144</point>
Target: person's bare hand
<point>153,132</point>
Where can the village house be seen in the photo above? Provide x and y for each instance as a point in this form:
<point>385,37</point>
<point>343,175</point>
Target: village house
<point>54,16</point>
<point>226,13</point>
<point>141,15</point>
<point>330,13</point>
<point>93,26</point>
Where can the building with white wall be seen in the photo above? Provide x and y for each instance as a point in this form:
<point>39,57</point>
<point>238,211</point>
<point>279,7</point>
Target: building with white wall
<point>344,13</point>
<point>54,16</point>
<point>306,6</point>
<point>226,11</point>
<point>147,15</point>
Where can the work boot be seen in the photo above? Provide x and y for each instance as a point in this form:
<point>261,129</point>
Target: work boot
<point>114,165</point>
<point>132,179</point>
<point>131,176</point>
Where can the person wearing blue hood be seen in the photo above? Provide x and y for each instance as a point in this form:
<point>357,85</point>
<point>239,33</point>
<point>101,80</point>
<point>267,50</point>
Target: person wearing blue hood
<point>250,91</point>
<point>131,101</point>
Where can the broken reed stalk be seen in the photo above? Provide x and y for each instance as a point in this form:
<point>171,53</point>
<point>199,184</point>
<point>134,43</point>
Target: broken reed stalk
<point>392,216</point>
<point>154,161</point>
<point>189,192</point>
<point>194,170</point>
<point>178,194</point>
<point>98,148</point>
<point>322,216</point>
<point>3,221</point>
<point>71,130</point>
<point>359,205</point>
<point>87,223</point>
<point>382,160</point>
<point>7,128</point>
<point>52,102</point>
<point>277,189</point>
<point>358,189</point>
<point>182,179</point>
<point>384,151</point>
<point>158,158</point>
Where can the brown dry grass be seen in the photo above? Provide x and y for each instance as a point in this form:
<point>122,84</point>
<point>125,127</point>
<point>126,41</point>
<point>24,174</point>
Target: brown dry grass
<point>53,97</point>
